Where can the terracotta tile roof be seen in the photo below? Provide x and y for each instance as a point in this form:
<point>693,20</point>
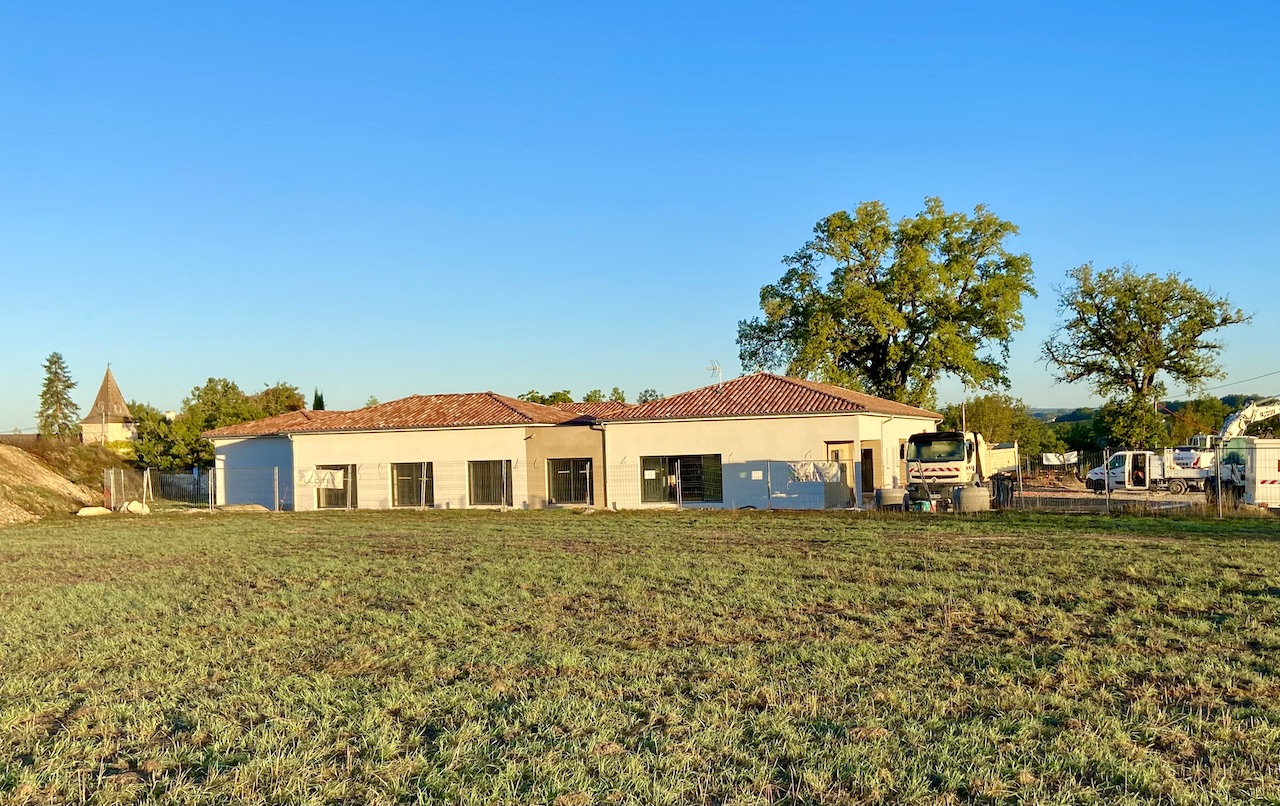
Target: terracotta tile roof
<point>762,394</point>
<point>279,424</point>
<point>603,408</point>
<point>449,411</point>
<point>109,405</point>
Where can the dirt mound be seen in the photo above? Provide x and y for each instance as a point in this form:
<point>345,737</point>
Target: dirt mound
<point>30,489</point>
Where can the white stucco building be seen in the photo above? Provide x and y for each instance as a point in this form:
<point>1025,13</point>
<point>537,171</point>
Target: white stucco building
<point>759,441</point>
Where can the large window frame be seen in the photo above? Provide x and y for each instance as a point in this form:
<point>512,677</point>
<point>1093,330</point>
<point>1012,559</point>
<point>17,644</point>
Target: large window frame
<point>569,482</point>
<point>490,483</point>
<point>412,485</point>
<point>345,497</point>
<point>690,479</point>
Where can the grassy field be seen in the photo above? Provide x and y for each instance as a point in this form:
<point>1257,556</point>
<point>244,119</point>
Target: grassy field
<point>562,658</point>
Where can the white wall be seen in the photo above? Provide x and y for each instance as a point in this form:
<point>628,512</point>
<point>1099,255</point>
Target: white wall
<point>247,471</point>
<point>743,444</point>
<point>447,450</point>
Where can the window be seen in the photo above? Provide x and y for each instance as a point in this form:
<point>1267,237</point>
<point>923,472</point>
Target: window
<point>412,485</point>
<point>681,478</point>
<point>569,481</point>
<point>489,483</point>
<point>337,488</point>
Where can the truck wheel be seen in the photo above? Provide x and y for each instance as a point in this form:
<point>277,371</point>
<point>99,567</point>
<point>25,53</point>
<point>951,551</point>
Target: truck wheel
<point>1177,486</point>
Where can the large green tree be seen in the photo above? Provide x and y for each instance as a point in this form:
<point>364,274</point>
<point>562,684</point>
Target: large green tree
<point>176,443</point>
<point>279,399</point>
<point>890,307</point>
<point>1001,418</point>
<point>1124,333</point>
<point>58,416</point>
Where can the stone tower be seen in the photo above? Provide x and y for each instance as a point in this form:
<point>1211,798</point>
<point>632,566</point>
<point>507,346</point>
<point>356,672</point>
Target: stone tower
<point>109,420</point>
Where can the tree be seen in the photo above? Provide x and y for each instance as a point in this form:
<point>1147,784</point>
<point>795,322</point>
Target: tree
<point>372,401</point>
<point>1124,332</point>
<point>1204,415</point>
<point>904,304</point>
<point>58,416</point>
<point>649,395</point>
<point>1129,422</point>
<point>278,399</point>
<point>534,396</point>
<point>594,396</point>
<point>163,443</point>
<point>617,396</point>
<point>1001,418</point>
<point>317,399</point>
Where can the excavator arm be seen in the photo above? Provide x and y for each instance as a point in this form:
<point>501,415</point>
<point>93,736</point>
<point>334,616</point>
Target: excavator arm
<point>1256,411</point>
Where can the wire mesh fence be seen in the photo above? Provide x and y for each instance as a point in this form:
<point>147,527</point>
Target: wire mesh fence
<point>701,481</point>
<point>154,487</point>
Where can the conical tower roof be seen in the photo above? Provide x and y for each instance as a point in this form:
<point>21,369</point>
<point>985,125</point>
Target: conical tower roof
<point>109,405</point>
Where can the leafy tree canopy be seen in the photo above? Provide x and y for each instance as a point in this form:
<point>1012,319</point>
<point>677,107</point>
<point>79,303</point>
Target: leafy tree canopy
<point>534,396</point>
<point>617,396</point>
<point>1123,333</point>
<point>58,415</point>
<point>1204,415</point>
<point>594,396</point>
<point>177,444</point>
<point>1001,418</point>
<point>317,399</point>
<point>1127,422</point>
<point>649,395</point>
<point>279,399</point>
<point>901,303</point>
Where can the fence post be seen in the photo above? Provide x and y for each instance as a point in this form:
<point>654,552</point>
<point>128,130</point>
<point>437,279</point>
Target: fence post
<point>679,488</point>
<point>1106,475</point>
<point>768,484</point>
<point>275,481</point>
<point>1217,462</point>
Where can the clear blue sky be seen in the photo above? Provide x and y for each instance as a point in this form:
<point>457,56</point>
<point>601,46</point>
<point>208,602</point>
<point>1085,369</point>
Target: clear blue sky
<point>397,198</point>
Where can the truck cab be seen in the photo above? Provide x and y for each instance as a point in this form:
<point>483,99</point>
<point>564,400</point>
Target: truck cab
<point>1127,470</point>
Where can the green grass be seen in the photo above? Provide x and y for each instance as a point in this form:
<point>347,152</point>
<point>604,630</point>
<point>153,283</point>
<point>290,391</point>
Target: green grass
<point>561,658</point>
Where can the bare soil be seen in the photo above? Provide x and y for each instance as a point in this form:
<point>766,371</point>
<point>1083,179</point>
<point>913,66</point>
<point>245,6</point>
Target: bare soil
<point>30,489</point>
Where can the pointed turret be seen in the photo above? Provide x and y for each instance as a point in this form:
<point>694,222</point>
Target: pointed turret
<point>109,419</point>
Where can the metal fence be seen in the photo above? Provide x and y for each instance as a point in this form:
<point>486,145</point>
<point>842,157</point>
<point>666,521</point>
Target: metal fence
<point>154,487</point>
<point>685,482</point>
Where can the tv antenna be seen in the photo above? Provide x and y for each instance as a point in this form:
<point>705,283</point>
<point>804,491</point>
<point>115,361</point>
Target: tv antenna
<point>715,369</point>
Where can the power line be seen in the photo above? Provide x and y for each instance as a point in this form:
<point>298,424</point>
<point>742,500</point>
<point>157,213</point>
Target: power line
<point>1246,380</point>
<point>1188,396</point>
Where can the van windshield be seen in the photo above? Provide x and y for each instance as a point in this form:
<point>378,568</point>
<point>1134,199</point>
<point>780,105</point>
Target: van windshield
<point>936,450</point>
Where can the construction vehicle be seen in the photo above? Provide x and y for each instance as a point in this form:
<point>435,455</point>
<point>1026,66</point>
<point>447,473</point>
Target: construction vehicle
<point>945,467</point>
<point>1198,452</point>
<point>1249,473</point>
<point>1191,466</point>
<point>1147,470</point>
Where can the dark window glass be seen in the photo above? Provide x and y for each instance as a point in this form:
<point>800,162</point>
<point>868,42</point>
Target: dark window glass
<point>569,481</point>
<point>412,485</point>
<point>489,482</point>
<point>693,479</point>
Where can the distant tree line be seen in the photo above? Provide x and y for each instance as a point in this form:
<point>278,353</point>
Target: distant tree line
<point>593,396</point>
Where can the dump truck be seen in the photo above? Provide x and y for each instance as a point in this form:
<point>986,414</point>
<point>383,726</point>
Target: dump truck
<point>945,467</point>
